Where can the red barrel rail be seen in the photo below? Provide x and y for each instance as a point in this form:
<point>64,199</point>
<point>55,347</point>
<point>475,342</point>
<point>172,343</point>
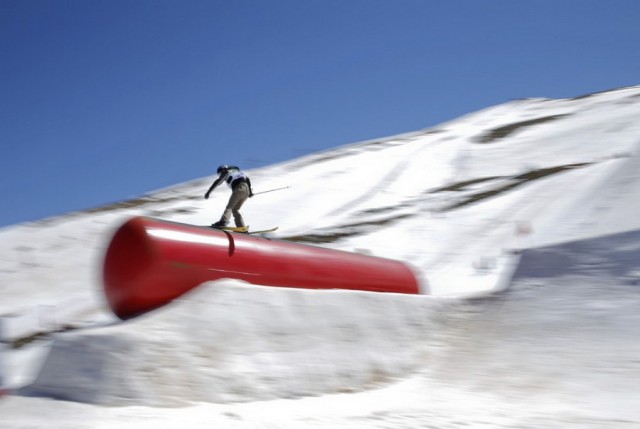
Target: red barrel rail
<point>150,262</point>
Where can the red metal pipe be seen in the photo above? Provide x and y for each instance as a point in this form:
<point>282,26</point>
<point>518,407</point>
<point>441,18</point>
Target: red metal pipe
<point>150,262</point>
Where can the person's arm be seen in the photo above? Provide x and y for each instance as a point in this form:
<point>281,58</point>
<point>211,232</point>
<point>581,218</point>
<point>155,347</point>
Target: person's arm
<point>213,186</point>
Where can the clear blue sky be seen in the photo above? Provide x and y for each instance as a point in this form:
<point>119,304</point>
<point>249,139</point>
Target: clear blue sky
<point>110,99</point>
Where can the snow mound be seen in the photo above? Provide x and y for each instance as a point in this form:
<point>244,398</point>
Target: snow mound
<point>227,342</point>
<point>565,330</point>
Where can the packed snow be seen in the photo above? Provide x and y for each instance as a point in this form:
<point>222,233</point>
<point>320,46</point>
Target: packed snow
<point>522,221</point>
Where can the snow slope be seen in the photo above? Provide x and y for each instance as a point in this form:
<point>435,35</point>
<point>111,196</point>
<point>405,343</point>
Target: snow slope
<point>522,220</point>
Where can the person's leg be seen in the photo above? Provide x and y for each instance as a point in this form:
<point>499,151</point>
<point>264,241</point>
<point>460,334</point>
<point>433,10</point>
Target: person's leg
<point>242,191</point>
<point>238,197</point>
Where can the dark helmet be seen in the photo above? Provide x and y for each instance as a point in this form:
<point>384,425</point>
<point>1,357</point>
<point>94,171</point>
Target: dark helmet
<point>223,167</point>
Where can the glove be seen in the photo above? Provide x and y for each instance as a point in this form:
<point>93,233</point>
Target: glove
<point>206,196</point>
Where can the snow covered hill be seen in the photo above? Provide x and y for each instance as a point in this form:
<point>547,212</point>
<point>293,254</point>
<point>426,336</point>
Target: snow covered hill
<point>522,220</point>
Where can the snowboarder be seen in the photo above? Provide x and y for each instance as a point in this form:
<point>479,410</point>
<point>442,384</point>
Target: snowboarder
<point>240,185</point>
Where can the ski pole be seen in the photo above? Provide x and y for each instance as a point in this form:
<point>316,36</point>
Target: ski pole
<point>271,190</point>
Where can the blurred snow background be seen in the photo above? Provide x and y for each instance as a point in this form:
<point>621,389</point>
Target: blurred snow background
<point>522,221</point>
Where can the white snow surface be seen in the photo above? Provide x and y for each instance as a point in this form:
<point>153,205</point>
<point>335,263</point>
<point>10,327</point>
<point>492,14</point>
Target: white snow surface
<point>521,220</point>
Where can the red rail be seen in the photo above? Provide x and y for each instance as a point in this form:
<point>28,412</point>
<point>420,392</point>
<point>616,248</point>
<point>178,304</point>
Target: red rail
<point>150,262</point>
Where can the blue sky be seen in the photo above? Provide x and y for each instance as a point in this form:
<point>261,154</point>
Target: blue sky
<point>106,100</point>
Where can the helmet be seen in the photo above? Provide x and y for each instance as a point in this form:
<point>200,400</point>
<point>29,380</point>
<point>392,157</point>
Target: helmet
<point>222,168</point>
